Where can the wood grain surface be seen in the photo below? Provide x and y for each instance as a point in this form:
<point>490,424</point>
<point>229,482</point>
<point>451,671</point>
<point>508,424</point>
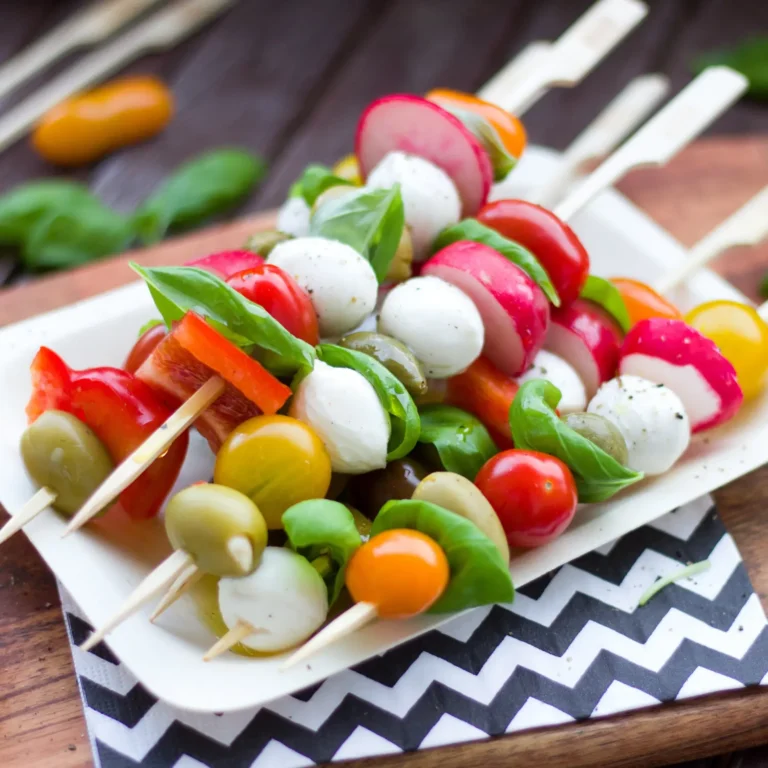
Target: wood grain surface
<point>41,720</point>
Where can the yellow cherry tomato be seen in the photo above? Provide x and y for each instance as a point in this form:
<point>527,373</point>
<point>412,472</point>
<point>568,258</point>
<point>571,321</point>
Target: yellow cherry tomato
<point>643,302</point>
<point>276,461</point>
<point>402,572</point>
<point>510,129</point>
<point>92,124</point>
<point>742,336</point>
<point>347,168</point>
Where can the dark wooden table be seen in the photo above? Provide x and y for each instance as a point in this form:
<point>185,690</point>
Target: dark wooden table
<point>288,79</point>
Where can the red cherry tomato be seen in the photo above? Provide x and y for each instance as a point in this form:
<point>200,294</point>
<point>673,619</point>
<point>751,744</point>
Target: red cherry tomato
<point>276,291</point>
<point>144,347</point>
<point>534,495</point>
<point>548,238</point>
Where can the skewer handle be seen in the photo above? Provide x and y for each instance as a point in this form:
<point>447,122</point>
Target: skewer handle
<point>160,31</point>
<point>748,226</point>
<point>350,621</point>
<point>42,499</point>
<point>577,51</point>
<point>665,134</point>
<point>157,581</point>
<point>237,634</point>
<point>604,133</point>
<point>185,581</point>
<point>523,66</point>
<point>155,445</point>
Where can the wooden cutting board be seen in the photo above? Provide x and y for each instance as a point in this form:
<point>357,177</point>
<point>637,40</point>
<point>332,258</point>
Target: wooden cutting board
<point>41,721</point>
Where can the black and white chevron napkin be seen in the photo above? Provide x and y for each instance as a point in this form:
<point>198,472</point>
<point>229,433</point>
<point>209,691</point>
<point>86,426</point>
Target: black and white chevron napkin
<point>573,646</point>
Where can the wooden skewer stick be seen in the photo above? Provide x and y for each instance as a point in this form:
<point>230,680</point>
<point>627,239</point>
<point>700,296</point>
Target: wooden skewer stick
<point>155,583</point>
<point>522,66</point>
<point>358,616</point>
<point>748,226</point>
<point>42,499</point>
<point>94,24</point>
<point>622,115</point>
<point>161,31</point>
<point>155,445</point>
<point>186,580</point>
<point>237,634</point>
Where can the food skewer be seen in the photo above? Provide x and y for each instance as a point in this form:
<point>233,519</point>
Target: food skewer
<point>519,68</point>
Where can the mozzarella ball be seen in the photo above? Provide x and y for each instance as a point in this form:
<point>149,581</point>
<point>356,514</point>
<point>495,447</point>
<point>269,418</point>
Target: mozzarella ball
<point>430,197</point>
<point>345,411</point>
<point>554,369</point>
<point>437,321</point>
<point>341,284</point>
<point>293,217</point>
<point>285,599</point>
<point>650,417</point>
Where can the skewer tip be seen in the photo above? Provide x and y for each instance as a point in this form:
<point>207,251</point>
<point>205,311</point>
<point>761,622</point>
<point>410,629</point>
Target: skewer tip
<point>237,634</point>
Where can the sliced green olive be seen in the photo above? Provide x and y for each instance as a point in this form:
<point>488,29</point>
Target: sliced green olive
<point>371,491</point>
<point>393,355</point>
<point>263,242</point>
<point>603,433</point>
<point>63,454</point>
<point>220,527</point>
<point>400,268</point>
<point>457,494</point>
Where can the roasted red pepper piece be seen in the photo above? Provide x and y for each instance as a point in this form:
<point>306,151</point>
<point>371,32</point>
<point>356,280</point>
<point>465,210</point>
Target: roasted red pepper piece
<point>122,410</point>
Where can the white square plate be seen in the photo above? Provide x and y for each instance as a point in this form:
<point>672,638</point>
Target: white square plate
<point>101,565</point>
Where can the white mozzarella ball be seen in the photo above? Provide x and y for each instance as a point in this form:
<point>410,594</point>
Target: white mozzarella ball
<point>439,323</point>
<point>554,369</point>
<point>430,197</point>
<point>285,599</point>
<point>345,411</point>
<point>341,284</point>
<point>293,217</point>
<point>650,417</point>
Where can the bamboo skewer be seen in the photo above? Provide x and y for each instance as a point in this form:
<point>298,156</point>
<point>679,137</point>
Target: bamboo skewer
<point>40,501</point>
<point>237,634</point>
<point>185,581</point>
<point>533,56</point>
<point>163,30</point>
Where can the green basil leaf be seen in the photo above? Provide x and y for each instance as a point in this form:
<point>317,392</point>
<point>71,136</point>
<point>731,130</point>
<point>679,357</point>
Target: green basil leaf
<point>205,186</point>
<point>472,229</point>
<point>606,295</point>
<point>392,394</point>
<point>149,325</point>
<point>369,220</point>
<point>462,442</point>
<point>535,426</point>
<point>501,159</point>
<point>479,575</point>
<point>323,527</point>
<point>315,180</point>
<point>750,58</point>
<point>178,290</point>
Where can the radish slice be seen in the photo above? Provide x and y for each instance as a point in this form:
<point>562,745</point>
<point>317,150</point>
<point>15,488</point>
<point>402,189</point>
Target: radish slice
<point>587,338</point>
<point>226,263</point>
<point>416,126</point>
<point>672,353</point>
<point>514,309</point>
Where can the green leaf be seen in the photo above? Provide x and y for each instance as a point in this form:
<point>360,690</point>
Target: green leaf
<point>178,290</point>
<point>149,325</point>
<point>535,426</point>
<point>462,442</point>
<point>369,220</point>
<point>392,394</point>
<point>205,186</point>
<point>606,295</point>
<point>472,229</point>
<point>501,159</point>
<point>479,575</point>
<point>750,58</point>
<point>683,573</point>
<point>322,527</point>
<point>315,180</point>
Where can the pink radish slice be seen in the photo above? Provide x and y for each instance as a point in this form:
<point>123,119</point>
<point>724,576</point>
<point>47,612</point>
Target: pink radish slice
<point>672,353</point>
<point>419,127</point>
<point>515,312</point>
<point>226,263</point>
<point>587,338</point>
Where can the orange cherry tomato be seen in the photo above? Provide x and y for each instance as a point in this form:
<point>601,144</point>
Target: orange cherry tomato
<point>510,129</point>
<point>402,572</point>
<point>643,302</point>
<point>144,347</point>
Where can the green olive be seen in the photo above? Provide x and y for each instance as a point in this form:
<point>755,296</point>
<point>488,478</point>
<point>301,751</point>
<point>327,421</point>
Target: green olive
<point>63,454</point>
<point>263,242</point>
<point>220,527</point>
<point>371,491</point>
<point>457,494</point>
<point>603,433</point>
<point>362,523</point>
<point>393,355</point>
<point>400,268</point>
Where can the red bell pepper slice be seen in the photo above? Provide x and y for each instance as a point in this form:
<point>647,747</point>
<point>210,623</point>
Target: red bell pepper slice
<point>121,410</point>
